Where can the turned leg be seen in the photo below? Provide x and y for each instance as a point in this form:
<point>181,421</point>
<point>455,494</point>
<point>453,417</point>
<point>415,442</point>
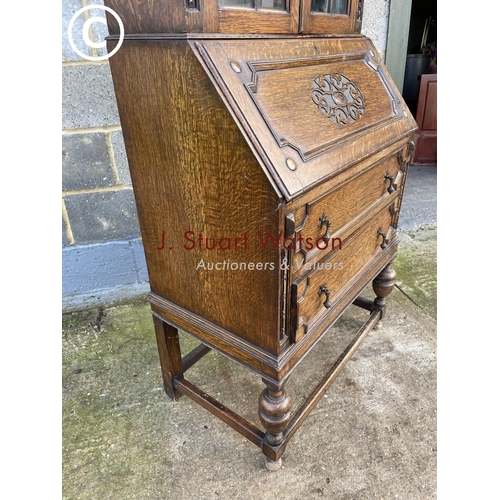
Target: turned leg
<point>274,413</point>
<point>382,286</point>
<point>167,338</point>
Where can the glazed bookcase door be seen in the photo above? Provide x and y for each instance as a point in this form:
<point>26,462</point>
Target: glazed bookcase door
<point>330,16</point>
<point>259,16</point>
<point>278,17</point>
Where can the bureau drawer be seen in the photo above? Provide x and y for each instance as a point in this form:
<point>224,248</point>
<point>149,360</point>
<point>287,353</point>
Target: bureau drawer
<point>335,213</point>
<point>324,282</point>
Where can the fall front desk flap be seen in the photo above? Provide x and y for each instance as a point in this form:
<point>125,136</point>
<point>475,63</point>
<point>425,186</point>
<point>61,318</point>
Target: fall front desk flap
<point>310,107</point>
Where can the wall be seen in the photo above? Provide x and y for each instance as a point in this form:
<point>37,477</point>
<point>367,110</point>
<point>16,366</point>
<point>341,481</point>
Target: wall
<point>102,254</point>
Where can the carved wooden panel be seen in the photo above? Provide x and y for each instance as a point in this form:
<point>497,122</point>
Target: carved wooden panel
<point>338,98</point>
<point>286,91</point>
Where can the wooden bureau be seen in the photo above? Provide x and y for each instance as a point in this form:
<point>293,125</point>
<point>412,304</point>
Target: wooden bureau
<point>268,158</point>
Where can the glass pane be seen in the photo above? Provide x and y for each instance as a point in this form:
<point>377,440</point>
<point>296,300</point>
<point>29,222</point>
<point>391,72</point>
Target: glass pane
<point>237,3</point>
<point>319,6</point>
<point>330,6</point>
<point>271,4</point>
<point>338,7</point>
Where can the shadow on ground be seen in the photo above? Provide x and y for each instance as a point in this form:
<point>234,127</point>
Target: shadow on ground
<point>373,435</point>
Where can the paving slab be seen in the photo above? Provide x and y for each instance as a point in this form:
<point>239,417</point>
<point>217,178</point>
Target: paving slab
<point>419,206</point>
<point>372,436</point>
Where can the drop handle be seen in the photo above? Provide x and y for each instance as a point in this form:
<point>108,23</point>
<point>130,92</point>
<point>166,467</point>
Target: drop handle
<point>324,290</point>
<point>323,221</point>
<point>385,239</point>
<point>391,179</point>
<point>394,210</point>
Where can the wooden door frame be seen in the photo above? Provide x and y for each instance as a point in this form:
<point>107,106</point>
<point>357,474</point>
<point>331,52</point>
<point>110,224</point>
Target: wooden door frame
<point>397,40</point>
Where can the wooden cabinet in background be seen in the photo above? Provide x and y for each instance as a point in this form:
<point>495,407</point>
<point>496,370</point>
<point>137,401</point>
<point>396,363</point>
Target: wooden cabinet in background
<point>426,136</point>
<point>268,171</point>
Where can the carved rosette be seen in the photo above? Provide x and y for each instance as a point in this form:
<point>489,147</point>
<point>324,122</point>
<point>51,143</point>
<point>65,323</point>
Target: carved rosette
<point>338,98</point>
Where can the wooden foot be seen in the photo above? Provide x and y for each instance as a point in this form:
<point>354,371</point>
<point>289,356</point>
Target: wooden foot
<point>383,285</point>
<point>167,338</point>
<point>274,414</point>
<point>273,465</point>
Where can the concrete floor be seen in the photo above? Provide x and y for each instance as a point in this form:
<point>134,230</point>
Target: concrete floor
<point>373,435</point>
<point>419,201</point>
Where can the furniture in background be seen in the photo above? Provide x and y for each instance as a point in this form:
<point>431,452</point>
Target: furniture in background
<point>426,136</point>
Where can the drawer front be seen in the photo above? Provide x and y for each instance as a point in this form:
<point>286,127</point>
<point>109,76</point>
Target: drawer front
<point>314,294</point>
<point>323,223</point>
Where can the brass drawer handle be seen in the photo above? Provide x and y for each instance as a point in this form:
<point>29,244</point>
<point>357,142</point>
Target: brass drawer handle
<point>394,210</point>
<point>391,187</point>
<point>323,221</point>
<point>385,241</point>
<point>324,290</point>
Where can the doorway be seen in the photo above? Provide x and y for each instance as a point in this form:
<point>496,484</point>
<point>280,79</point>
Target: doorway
<point>421,54</point>
<point>420,80</point>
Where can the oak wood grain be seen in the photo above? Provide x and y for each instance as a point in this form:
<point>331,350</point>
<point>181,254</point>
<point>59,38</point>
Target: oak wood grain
<point>186,186</point>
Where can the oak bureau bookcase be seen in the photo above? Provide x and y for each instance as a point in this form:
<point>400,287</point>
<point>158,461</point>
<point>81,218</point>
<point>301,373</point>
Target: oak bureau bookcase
<point>268,149</point>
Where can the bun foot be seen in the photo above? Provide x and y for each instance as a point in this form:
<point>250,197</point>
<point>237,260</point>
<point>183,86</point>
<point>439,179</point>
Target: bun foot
<point>272,465</point>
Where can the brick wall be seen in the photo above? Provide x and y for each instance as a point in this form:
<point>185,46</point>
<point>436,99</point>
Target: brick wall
<point>102,251</point>
<point>102,254</point>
